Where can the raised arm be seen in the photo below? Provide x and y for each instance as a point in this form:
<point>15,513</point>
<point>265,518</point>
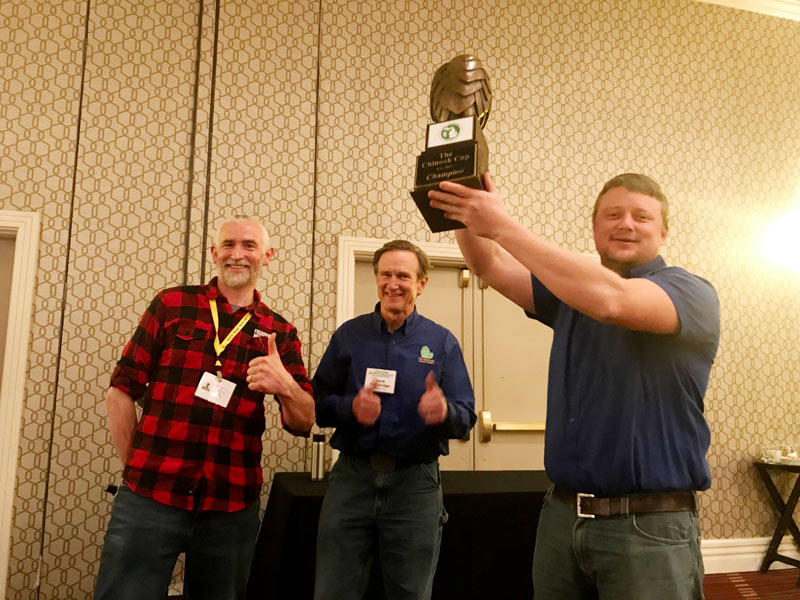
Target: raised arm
<point>497,267</point>
<point>577,280</point>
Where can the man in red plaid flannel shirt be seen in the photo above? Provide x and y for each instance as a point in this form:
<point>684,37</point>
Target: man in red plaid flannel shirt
<point>199,364</point>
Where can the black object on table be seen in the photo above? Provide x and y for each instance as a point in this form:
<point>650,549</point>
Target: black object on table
<point>785,510</point>
<point>487,543</point>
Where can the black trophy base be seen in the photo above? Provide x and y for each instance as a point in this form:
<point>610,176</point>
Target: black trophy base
<point>461,162</point>
<point>434,217</point>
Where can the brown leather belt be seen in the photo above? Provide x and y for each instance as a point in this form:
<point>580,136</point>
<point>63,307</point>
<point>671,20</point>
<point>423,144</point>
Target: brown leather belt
<point>586,505</point>
<point>380,461</point>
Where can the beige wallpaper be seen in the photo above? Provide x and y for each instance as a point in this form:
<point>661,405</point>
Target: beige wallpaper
<point>704,98</point>
<point>40,60</point>
<point>126,240</point>
<point>263,158</point>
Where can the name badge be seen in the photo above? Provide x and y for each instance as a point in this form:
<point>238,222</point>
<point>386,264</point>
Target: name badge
<point>384,377</point>
<point>215,390</point>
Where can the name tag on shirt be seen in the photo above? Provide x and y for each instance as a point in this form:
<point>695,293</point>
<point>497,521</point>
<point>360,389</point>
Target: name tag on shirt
<point>384,377</point>
<point>214,390</point>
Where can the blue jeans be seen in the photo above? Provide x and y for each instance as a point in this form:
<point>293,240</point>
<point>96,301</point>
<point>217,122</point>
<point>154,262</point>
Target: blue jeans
<point>144,539</point>
<point>652,556</point>
<point>395,516</point>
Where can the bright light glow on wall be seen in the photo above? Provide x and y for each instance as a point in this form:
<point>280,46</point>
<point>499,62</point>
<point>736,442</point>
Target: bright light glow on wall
<point>788,9</point>
<point>780,242</point>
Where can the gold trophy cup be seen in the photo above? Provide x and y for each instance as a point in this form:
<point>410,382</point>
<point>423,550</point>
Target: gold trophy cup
<point>455,149</point>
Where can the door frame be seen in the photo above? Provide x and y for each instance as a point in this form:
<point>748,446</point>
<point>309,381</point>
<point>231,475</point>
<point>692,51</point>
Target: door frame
<point>352,249</point>
<point>24,227</point>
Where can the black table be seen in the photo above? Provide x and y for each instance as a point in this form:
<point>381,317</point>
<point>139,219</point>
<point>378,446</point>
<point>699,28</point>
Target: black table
<point>487,543</point>
<point>785,512</point>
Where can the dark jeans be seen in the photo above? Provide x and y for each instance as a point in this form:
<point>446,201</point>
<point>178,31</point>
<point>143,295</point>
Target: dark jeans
<point>396,517</point>
<point>640,557</point>
<point>144,539</point>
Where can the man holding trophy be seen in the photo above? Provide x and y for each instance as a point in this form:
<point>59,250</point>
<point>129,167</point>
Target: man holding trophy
<point>633,344</point>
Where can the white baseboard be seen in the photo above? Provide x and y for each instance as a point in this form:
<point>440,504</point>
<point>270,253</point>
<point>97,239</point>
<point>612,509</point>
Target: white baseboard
<point>742,554</point>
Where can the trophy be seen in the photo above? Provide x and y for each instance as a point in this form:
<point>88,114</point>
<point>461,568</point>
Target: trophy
<point>455,149</point>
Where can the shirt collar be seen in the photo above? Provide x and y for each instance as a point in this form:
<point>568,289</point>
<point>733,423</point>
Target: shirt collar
<point>212,291</point>
<point>647,268</point>
<point>405,328</point>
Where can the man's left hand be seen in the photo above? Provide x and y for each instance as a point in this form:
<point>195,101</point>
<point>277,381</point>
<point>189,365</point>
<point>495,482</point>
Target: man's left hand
<point>432,405</point>
<point>267,373</point>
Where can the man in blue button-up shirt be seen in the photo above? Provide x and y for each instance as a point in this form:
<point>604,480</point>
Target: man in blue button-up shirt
<point>633,345</point>
<point>395,386</point>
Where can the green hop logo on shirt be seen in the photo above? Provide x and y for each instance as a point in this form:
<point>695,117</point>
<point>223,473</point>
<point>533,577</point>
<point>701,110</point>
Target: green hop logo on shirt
<point>426,353</point>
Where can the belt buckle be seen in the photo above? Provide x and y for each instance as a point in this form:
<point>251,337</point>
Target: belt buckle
<point>381,462</point>
<point>578,497</point>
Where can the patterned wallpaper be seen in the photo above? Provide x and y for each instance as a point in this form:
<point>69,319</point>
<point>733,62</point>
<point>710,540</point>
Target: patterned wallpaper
<point>127,240</point>
<point>41,75</point>
<point>263,158</point>
<point>702,97</point>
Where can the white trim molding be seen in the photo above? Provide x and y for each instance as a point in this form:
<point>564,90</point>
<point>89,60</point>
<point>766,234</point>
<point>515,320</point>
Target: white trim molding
<point>786,9</point>
<point>742,554</point>
<point>24,228</point>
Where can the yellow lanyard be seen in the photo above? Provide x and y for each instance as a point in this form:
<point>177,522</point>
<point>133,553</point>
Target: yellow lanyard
<point>220,347</point>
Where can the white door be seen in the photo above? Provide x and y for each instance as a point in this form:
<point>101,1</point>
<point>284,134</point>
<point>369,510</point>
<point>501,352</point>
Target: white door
<point>511,364</point>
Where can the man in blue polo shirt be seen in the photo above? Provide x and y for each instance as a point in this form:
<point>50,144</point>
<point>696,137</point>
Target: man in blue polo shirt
<point>633,344</point>
<point>395,386</point>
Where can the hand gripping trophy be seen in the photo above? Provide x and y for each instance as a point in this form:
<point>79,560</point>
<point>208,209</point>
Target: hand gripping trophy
<point>455,149</point>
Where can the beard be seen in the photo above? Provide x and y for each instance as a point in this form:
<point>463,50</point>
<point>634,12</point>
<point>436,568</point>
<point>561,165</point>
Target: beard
<point>239,279</point>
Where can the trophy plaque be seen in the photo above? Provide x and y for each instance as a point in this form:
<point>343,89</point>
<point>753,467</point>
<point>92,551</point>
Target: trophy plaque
<point>455,149</point>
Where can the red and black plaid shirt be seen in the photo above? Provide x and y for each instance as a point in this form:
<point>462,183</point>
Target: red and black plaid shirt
<point>187,450</point>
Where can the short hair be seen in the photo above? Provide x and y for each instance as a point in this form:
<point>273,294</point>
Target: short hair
<point>635,182</point>
<point>240,218</point>
<point>422,258</point>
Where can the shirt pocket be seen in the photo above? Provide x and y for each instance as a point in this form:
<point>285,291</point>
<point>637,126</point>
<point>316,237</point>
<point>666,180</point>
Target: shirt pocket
<point>190,344</point>
<point>191,332</point>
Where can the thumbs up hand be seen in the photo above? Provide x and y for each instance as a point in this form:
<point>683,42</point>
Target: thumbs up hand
<point>432,405</point>
<point>367,405</point>
<point>267,373</point>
